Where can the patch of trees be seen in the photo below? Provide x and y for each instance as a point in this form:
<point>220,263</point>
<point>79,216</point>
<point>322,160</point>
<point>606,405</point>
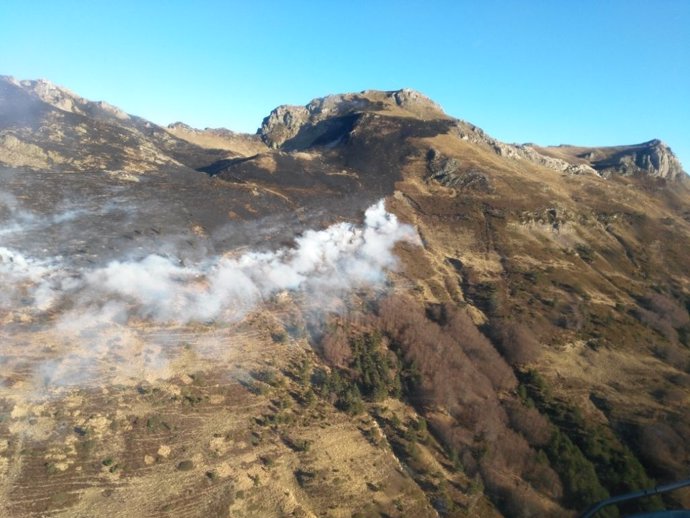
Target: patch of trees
<point>670,319</point>
<point>370,374</point>
<point>456,364</point>
<point>664,315</point>
<point>515,341</point>
<point>531,450</point>
<point>580,480</point>
<point>662,447</point>
<point>460,373</point>
<point>591,461</point>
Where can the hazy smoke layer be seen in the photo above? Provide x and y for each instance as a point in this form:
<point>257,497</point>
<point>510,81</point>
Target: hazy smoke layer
<point>322,264</point>
<point>89,318</point>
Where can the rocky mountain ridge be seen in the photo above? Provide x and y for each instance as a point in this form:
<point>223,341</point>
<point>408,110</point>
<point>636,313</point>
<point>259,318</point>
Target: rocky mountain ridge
<point>653,158</point>
<point>46,127</point>
<point>321,122</point>
<point>68,101</point>
<point>281,127</point>
<point>293,127</point>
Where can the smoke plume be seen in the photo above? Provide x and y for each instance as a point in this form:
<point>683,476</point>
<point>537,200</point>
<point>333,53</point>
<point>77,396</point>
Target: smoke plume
<point>84,304</point>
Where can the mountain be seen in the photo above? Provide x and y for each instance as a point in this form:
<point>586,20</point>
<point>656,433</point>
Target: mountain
<point>528,355</point>
<point>44,126</point>
<point>653,158</point>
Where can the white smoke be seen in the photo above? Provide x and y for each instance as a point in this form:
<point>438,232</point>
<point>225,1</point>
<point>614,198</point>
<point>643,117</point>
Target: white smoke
<point>20,277</point>
<point>20,220</point>
<point>86,307</point>
<point>327,262</point>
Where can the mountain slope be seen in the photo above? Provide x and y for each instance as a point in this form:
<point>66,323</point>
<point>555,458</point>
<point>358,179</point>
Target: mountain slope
<point>219,138</point>
<point>530,357</point>
<point>43,126</point>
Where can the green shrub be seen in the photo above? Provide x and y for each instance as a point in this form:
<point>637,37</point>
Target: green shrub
<point>373,371</point>
<point>580,481</point>
<point>578,443</point>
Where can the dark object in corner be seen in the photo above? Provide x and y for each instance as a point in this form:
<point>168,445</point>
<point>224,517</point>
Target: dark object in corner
<point>594,509</point>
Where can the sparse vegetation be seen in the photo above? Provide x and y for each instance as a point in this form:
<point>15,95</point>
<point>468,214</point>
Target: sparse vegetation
<point>185,465</point>
<point>589,459</point>
<point>585,252</point>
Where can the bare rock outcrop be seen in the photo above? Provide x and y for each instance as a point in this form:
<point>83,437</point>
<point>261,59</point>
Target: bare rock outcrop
<point>283,123</point>
<point>68,101</point>
<point>448,172</point>
<point>653,158</point>
<point>286,123</point>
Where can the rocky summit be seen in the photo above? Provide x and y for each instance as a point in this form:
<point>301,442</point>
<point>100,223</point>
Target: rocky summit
<point>198,322</point>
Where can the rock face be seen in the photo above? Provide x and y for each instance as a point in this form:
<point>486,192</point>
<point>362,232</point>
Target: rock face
<point>520,152</point>
<point>286,123</point>
<point>282,124</point>
<point>44,126</point>
<point>653,158</point>
<point>413,100</point>
<point>448,172</point>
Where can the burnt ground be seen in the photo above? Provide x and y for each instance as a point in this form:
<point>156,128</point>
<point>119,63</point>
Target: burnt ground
<point>175,420</point>
<point>94,217</point>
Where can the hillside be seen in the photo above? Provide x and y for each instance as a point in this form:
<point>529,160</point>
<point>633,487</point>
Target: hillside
<point>521,349</point>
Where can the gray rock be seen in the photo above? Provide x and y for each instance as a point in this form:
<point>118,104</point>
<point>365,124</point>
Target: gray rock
<point>653,158</point>
<point>286,122</point>
<point>447,172</point>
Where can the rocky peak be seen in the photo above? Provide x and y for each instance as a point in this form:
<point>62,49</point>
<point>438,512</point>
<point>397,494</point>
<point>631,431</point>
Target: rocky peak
<point>286,122</point>
<point>181,126</point>
<point>412,99</point>
<point>52,94</point>
<point>653,158</point>
<point>282,124</point>
<point>649,159</point>
<point>66,100</point>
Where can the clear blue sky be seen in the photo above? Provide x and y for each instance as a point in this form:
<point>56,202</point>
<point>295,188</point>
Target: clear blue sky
<point>581,72</point>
